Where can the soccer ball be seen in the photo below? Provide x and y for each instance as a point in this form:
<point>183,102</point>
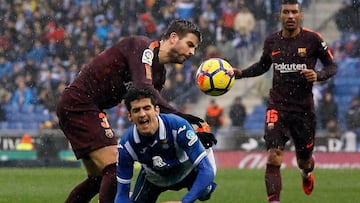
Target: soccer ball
<point>215,77</point>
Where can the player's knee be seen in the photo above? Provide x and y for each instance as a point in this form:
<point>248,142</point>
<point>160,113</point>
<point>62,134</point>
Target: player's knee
<point>275,157</point>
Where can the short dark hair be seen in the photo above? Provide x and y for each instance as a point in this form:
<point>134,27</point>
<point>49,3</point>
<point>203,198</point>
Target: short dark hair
<point>289,2</point>
<point>182,27</point>
<point>138,93</point>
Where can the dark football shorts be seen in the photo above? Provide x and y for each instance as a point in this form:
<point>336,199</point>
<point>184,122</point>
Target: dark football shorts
<point>280,126</point>
<point>84,124</point>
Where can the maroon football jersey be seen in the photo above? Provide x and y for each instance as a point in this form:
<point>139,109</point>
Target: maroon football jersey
<point>131,62</point>
<point>287,57</point>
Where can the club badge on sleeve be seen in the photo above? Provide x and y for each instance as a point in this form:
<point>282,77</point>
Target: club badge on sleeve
<point>191,136</point>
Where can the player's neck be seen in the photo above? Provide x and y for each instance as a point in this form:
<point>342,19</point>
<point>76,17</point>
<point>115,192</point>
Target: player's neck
<point>163,57</point>
<point>290,33</point>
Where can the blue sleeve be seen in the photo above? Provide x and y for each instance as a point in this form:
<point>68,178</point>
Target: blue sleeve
<point>204,178</point>
<point>124,174</point>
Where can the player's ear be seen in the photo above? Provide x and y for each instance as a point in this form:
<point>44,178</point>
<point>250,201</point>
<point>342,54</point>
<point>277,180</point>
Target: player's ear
<point>129,116</point>
<point>174,37</point>
<point>157,110</point>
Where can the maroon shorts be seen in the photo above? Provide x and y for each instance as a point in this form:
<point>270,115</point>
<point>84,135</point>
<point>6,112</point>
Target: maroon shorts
<point>84,124</point>
<point>280,126</point>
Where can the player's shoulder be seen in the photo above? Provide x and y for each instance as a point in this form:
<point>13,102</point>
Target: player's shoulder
<point>309,33</point>
<point>135,41</point>
<point>127,135</point>
<point>171,118</point>
<point>175,122</point>
<point>273,37</point>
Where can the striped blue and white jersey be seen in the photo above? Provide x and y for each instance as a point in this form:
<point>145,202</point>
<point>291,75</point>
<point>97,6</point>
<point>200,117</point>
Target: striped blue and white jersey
<point>167,157</point>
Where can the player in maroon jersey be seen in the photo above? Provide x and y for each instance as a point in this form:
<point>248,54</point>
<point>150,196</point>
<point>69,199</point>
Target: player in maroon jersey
<point>133,62</point>
<point>292,53</point>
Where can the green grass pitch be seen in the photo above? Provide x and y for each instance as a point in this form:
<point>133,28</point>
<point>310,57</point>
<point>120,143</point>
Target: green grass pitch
<point>51,185</point>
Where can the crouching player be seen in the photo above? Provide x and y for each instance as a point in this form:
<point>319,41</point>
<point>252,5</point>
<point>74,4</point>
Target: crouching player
<point>169,151</point>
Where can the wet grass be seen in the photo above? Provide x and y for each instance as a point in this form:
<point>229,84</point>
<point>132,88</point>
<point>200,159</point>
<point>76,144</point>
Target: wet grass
<point>51,185</point>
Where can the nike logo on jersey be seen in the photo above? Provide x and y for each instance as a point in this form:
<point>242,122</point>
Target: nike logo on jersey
<point>275,53</point>
<point>308,146</point>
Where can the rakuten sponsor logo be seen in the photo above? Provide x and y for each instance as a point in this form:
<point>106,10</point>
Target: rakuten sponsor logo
<point>288,67</point>
<point>257,160</point>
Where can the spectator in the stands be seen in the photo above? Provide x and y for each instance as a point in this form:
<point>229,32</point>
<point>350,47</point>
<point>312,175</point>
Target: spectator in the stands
<point>352,116</point>
<point>244,24</point>
<point>5,66</point>
<point>327,109</point>
<point>23,94</point>
<point>37,53</point>
<point>344,20</point>
<point>237,113</point>
<point>228,14</point>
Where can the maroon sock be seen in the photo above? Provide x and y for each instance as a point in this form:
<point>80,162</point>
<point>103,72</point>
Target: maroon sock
<point>85,191</point>
<point>308,170</point>
<point>108,184</point>
<point>273,182</point>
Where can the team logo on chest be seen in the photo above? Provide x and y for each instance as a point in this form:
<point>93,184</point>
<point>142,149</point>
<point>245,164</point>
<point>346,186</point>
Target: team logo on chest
<point>302,52</point>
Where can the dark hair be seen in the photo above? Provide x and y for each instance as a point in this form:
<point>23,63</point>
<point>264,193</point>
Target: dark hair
<point>182,27</point>
<point>138,93</point>
<point>289,2</point>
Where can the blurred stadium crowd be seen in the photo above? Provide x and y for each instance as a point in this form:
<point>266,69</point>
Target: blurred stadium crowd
<point>44,43</point>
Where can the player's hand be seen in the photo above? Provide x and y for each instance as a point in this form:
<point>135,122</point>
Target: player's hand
<point>238,73</point>
<point>309,74</point>
<point>191,119</point>
<point>207,139</point>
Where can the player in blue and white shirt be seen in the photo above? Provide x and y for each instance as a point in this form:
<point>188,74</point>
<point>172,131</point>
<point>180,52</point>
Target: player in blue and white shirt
<point>169,151</point>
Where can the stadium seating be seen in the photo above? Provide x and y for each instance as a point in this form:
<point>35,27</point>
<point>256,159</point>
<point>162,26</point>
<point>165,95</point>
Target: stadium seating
<point>346,85</point>
<point>255,120</point>
<point>24,117</point>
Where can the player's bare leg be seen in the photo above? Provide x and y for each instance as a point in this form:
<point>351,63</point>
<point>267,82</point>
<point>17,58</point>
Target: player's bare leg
<point>272,175</point>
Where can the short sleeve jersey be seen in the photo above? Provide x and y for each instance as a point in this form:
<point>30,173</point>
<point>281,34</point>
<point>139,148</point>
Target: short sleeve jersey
<point>287,57</point>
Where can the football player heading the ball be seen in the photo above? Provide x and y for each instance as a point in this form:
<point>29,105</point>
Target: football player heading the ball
<point>292,52</point>
<point>169,151</point>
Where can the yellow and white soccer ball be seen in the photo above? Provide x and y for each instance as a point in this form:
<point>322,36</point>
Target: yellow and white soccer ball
<point>215,77</point>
